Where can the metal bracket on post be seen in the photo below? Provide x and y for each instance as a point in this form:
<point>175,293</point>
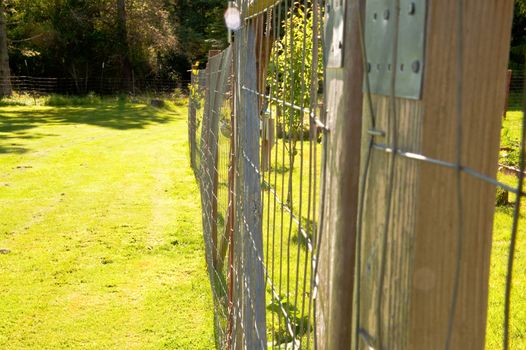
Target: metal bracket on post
<point>379,30</point>
<point>335,23</point>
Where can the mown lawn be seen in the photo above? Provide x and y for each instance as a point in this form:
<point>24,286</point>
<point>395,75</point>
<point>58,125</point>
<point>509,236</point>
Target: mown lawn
<point>499,258</point>
<point>101,223</point>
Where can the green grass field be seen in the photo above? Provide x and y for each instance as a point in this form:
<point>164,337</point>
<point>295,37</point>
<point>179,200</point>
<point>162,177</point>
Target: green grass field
<point>499,258</point>
<point>101,218</point>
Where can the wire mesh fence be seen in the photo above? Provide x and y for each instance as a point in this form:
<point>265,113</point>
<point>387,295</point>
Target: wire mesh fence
<point>101,86</point>
<point>210,145</point>
<point>258,169</point>
<point>515,79</point>
<point>197,95</point>
<point>257,136</point>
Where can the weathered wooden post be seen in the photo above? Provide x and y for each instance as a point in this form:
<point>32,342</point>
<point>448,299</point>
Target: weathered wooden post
<point>250,278</point>
<point>192,113</point>
<point>340,180</point>
<point>5,72</point>
<point>214,146</point>
<point>208,165</point>
<point>426,221</point>
<point>440,115</point>
<point>230,228</point>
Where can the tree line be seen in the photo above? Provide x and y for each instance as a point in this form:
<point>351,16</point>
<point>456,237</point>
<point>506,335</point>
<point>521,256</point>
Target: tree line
<point>128,39</point>
<point>107,39</point>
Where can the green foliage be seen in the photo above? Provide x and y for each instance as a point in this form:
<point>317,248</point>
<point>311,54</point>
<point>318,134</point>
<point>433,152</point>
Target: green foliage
<point>201,28</point>
<point>299,323</point>
<point>499,255</point>
<point>19,99</point>
<point>196,92</point>
<point>502,197</point>
<point>178,98</point>
<point>510,149</point>
<point>518,36</point>
<point>62,101</point>
<point>289,73</point>
<point>73,38</point>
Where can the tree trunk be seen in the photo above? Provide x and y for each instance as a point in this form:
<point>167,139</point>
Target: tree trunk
<point>5,73</point>
<point>124,49</point>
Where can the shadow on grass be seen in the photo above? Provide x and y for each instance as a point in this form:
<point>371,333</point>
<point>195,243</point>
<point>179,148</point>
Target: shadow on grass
<point>15,124</point>
<point>8,140</point>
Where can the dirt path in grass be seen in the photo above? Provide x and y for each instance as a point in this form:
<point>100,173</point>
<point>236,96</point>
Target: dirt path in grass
<point>103,232</point>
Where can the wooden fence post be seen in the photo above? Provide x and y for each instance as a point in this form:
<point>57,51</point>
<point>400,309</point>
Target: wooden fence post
<point>414,295</point>
<point>231,203</point>
<point>340,184</point>
<point>250,277</point>
<point>237,249</point>
<point>213,140</point>
<point>192,114</point>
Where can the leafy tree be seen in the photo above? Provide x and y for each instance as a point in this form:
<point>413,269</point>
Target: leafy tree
<point>518,36</point>
<point>200,28</point>
<point>147,38</point>
<point>292,67</point>
<point>5,81</point>
<point>124,49</point>
<point>74,37</point>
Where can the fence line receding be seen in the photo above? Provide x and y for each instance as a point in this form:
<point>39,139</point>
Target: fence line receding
<point>264,146</point>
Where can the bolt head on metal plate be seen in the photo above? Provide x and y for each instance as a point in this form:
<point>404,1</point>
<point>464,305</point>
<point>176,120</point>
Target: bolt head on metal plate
<point>380,31</point>
<point>334,31</point>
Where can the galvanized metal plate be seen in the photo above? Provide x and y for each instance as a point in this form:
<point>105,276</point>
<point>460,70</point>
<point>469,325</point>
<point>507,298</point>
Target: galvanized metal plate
<point>380,27</point>
<point>335,15</point>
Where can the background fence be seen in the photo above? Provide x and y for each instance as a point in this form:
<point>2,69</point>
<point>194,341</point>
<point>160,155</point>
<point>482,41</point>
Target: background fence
<point>337,215</point>
<point>100,86</point>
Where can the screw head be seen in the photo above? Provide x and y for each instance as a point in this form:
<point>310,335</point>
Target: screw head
<point>386,14</point>
<point>415,66</point>
<point>412,8</point>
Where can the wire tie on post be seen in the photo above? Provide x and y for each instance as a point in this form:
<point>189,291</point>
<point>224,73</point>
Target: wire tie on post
<point>319,124</point>
<point>367,338</point>
<point>375,132</point>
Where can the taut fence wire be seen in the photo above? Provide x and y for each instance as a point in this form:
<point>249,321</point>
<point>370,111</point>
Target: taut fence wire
<point>263,125</point>
<point>255,143</point>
